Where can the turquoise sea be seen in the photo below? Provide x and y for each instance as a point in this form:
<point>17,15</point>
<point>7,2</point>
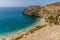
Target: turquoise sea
<point>12,19</point>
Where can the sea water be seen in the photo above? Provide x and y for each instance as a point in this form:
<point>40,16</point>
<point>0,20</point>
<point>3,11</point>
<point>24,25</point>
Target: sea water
<point>12,19</point>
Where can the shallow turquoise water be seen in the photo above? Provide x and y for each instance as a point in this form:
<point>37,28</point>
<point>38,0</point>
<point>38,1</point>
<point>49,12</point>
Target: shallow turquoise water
<point>12,19</point>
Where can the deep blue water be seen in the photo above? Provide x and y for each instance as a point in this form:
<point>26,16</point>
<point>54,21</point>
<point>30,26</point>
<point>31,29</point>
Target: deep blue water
<point>12,19</point>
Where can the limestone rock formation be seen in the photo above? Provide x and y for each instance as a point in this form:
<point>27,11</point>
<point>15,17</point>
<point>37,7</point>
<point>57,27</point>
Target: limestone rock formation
<point>32,11</point>
<point>45,12</point>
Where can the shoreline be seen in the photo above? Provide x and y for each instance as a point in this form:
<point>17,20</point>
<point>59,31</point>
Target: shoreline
<point>19,32</point>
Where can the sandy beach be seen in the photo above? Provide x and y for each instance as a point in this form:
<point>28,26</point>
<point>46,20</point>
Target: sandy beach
<point>13,35</point>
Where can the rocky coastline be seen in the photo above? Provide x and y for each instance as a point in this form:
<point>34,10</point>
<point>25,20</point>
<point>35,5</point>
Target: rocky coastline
<point>51,12</point>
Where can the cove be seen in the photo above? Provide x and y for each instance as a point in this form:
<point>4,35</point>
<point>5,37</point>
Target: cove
<point>12,19</point>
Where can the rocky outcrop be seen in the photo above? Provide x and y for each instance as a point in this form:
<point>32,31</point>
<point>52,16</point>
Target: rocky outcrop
<point>32,11</point>
<point>50,9</point>
<point>54,10</point>
<point>45,12</point>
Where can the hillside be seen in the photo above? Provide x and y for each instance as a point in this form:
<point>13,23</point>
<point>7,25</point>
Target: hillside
<point>54,4</point>
<point>49,11</point>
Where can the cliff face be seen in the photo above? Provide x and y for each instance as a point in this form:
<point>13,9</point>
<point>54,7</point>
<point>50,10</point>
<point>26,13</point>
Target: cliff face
<point>32,11</point>
<point>45,12</point>
<point>54,11</point>
<point>50,9</point>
